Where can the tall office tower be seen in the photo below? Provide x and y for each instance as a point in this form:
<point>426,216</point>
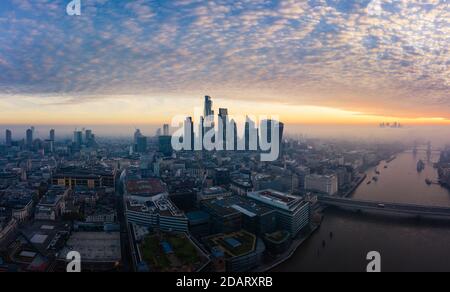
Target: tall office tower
<point>141,145</point>
<point>78,138</point>
<point>269,130</point>
<point>29,139</point>
<point>208,107</point>
<point>8,136</point>
<point>52,135</point>
<point>223,117</point>
<point>166,130</point>
<point>165,145</point>
<point>189,132</point>
<point>236,136</point>
<point>208,117</point>
<point>137,134</point>
<point>250,135</point>
<point>88,136</point>
<point>158,132</point>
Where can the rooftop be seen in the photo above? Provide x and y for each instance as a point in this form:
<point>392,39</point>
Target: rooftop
<point>166,252</point>
<point>234,244</point>
<point>95,246</point>
<point>162,205</point>
<point>236,204</point>
<point>277,199</point>
<point>145,187</point>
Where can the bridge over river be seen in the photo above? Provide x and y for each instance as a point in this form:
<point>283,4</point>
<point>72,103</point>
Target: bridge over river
<point>395,208</point>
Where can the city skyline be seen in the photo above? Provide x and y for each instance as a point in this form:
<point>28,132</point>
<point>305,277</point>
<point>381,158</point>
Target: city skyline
<point>310,62</point>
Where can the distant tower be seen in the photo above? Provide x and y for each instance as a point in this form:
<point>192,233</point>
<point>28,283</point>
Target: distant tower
<point>166,130</point>
<point>29,137</point>
<point>208,107</point>
<point>52,135</point>
<point>8,138</point>
<point>223,117</point>
<point>78,138</point>
<point>189,132</point>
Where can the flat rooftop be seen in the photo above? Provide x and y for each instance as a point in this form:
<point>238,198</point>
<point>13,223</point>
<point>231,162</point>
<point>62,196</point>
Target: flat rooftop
<point>167,252</point>
<point>145,187</point>
<point>162,206</point>
<point>277,199</point>
<point>95,246</point>
<point>236,204</point>
<point>233,244</point>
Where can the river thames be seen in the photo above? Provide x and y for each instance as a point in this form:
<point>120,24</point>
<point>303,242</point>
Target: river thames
<point>405,244</point>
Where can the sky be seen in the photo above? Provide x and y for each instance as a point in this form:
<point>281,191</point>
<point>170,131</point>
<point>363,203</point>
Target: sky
<point>307,61</point>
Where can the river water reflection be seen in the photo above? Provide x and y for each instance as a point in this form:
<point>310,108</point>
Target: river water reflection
<point>405,244</point>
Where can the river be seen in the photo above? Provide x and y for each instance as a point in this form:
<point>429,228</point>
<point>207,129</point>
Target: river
<point>405,244</point>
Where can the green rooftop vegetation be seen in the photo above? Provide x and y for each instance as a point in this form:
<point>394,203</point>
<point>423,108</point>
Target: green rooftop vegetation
<point>184,255</point>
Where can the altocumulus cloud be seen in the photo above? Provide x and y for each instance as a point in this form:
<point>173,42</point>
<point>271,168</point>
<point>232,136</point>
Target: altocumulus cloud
<point>376,56</point>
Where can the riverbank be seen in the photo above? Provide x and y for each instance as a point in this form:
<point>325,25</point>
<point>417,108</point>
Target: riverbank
<point>296,243</point>
<point>360,180</point>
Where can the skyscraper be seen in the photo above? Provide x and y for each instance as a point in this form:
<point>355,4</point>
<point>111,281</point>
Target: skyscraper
<point>165,145</point>
<point>208,121</point>
<point>137,134</point>
<point>88,135</point>
<point>250,135</point>
<point>223,117</point>
<point>141,145</point>
<point>208,107</point>
<point>166,130</point>
<point>188,136</point>
<point>29,139</point>
<point>8,138</point>
<point>78,138</point>
<point>52,135</point>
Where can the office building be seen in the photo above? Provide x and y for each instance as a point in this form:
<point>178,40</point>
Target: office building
<point>166,130</point>
<point>234,213</point>
<point>29,137</point>
<point>188,137</point>
<point>242,251</point>
<point>8,138</point>
<point>144,187</point>
<point>293,213</point>
<point>141,144</point>
<point>223,118</point>
<point>155,212</point>
<point>52,135</point>
<point>78,138</point>
<point>322,184</point>
<point>251,135</point>
<point>208,107</point>
<point>165,145</point>
<point>213,193</point>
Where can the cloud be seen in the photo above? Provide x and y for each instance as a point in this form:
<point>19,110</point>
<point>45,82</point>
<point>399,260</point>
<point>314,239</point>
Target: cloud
<point>381,56</point>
